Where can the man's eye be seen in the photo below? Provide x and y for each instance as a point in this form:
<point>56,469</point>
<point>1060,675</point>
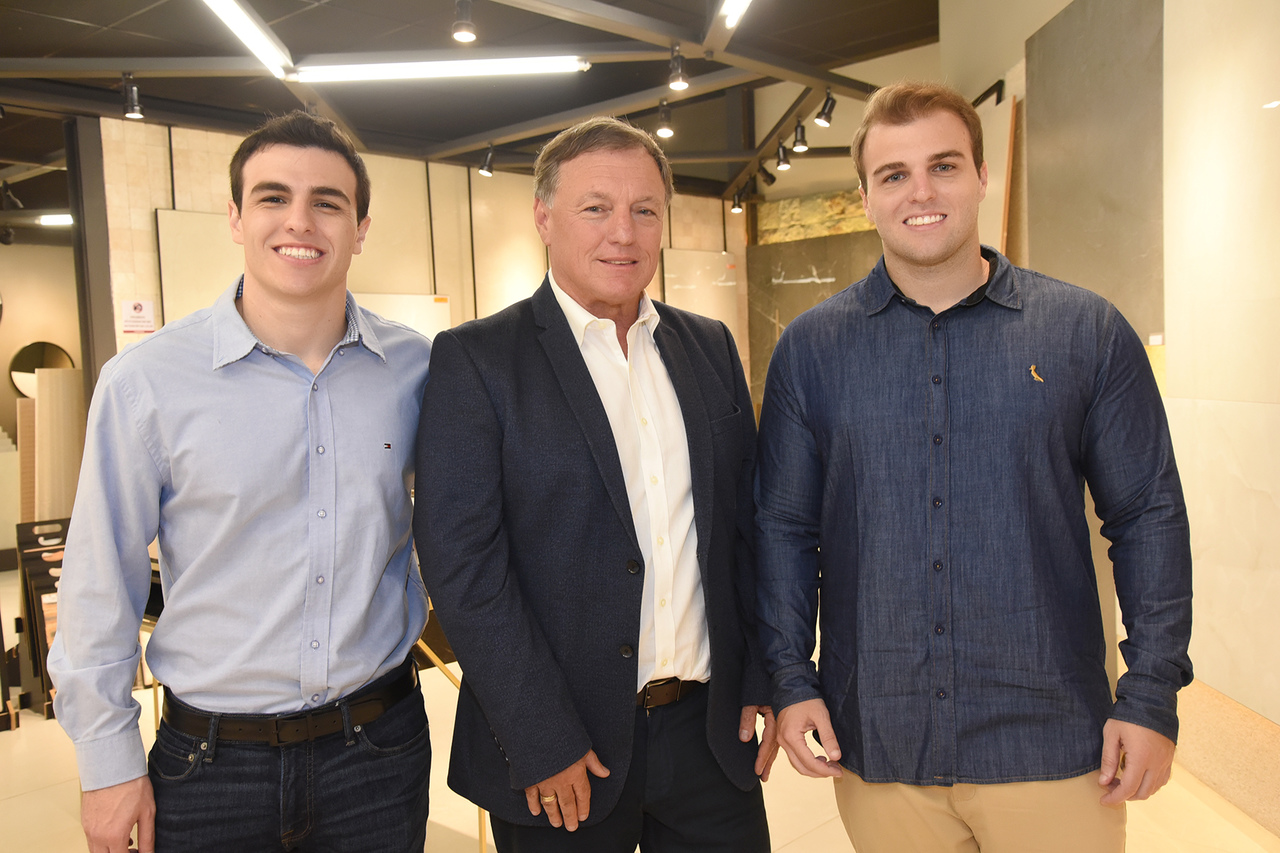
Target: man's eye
<point>944,167</point>
<point>894,178</point>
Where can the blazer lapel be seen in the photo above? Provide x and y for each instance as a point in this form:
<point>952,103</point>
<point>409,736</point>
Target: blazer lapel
<point>579,390</point>
<point>697,427</point>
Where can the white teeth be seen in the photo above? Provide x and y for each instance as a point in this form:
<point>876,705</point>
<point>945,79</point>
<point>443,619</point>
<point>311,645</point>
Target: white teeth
<point>299,253</point>
<point>620,263</point>
<point>925,220</point>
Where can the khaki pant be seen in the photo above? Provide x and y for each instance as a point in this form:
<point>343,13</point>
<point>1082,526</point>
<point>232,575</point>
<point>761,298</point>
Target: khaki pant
<point>1019,817</point>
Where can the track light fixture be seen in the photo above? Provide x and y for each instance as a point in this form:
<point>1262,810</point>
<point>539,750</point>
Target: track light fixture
<point>769,179</point>
<point>664,120</point>
<point>486,168</point>
<point>800,145</point>
<point>823,118</point>
<point>784,162</point>
<point>132,106</point>
<point>1,112</point>
<point>678,80</point>
<point>737,202</point>
<point>463,30</point>
<point>8,201</point>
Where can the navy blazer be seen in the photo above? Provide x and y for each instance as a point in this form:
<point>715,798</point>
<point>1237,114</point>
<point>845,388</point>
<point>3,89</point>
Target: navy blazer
<point>530,555</point>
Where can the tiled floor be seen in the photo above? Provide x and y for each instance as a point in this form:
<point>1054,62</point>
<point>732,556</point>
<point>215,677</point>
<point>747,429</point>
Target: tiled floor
<point>39,793</point>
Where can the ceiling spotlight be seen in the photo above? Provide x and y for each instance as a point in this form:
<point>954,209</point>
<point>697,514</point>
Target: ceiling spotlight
<point>769,179</point>
<point>463,30</point>
<point>132,106</point>
<point>664,120</point>
<point>1,111</point>
<point>8,201</point>
<point>486,168</point>
<point>800,145</point>
<point>784,162</point>
<point>737,202</point>
<point>823,118</point>
<point>678,80</point>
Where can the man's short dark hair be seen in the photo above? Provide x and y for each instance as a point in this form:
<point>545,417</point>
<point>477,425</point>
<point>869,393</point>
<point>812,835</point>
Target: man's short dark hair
<point>302,130</point>
<point>903,103</point>
<point>602,133</point>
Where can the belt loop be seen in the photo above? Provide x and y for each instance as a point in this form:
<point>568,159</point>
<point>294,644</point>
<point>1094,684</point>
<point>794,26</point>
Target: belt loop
<point>211,739</point>
<point>347,728</point>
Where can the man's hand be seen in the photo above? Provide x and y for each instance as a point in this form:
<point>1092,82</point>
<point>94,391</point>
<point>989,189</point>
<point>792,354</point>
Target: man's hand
<point>768,740</point>
<point>109,815</point>
<point>1146,757</point>
<point>568,792</point>
<point>796,721</point>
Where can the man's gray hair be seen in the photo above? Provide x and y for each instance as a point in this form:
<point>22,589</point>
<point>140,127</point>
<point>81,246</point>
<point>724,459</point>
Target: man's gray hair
<point>602,133</point>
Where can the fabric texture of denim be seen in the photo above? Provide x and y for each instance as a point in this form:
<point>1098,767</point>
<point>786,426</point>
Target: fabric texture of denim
<point>921,486</point>
<point>282,504</point>
<point>363,790</point>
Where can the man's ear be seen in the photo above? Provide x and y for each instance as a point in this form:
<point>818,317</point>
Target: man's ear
<point>233,217</point>
<point>542,220</point>
<point>362,231</point>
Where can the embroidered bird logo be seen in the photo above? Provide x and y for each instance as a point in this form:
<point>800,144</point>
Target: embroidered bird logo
<point>1034,375</point>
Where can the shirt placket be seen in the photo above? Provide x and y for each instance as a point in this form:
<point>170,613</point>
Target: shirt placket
<point>655,488</point>
<point>942,648</point>
<point>322,508</point>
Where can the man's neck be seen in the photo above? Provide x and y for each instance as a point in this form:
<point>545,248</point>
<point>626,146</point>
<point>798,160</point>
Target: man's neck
<point>939,286</point>
<point>309,329</point>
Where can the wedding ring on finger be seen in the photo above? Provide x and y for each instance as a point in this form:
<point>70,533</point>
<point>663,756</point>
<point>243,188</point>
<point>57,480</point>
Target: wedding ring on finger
<point>549,799</point>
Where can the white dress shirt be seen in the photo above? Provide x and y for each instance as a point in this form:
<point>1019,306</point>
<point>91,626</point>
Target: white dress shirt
<point>648,430</point>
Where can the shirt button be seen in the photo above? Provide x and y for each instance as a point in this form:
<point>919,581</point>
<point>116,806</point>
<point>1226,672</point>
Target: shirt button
<point>941,694</point>
<point>321,513</point>
<point>937,380</point>
<point>633,568</point>
<point>644,422</point>
<point>662,602</point>
<point>342,352</point>
<point>626,651</point>
<point>664,661</point>
<point>320,579</point>
<point>661,540</point>
<point>937,565</point>
<point>938,629</point>
<point>320,449</point>
<point>937,502</point>
<point>315,387</point>
<point>315,644</point>
<point>653,479</point>
<point>936,325</point>
<point>937,439</point>
<point>315,697</point>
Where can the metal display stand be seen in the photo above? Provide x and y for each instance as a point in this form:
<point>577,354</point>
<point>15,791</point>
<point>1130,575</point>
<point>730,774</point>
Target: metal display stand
<point>40,545</point>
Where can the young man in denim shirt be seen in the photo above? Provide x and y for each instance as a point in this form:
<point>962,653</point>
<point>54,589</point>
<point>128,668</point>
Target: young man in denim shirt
<point>924,443</point>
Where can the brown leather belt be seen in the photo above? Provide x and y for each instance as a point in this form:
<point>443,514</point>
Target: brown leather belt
<point>665,691</point>
<point>364,706</point>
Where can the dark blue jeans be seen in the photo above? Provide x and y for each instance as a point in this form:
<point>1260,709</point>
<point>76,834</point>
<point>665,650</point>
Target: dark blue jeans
<point>362,791</point>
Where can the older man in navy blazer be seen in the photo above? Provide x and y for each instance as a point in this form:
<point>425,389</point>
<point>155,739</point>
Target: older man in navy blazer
<point>584,518</point>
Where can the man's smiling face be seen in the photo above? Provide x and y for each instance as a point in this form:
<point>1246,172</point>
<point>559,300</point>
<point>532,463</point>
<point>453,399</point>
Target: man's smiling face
<point>603,230</point>
<point>297,222</point>
<point>923,190</point>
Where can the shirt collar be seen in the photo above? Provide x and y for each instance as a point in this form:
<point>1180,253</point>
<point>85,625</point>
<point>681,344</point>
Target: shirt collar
<point>1001,286</point>
<point>233,339</point>
<point>580,319</point>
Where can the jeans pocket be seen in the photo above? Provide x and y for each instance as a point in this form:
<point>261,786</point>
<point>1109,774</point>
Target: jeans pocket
<point>175,756</point>
<point>401,729</point>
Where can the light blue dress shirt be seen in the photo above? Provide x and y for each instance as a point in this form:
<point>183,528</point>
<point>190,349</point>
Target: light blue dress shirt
<point>282,504</point>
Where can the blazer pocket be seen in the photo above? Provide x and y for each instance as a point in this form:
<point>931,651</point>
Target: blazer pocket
<point>726,422</point>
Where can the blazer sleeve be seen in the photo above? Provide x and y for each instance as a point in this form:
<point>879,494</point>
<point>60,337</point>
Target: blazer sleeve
<point>463,547</point>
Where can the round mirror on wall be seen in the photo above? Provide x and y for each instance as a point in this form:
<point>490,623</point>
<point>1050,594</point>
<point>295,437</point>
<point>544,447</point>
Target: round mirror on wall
<point>22,368</point>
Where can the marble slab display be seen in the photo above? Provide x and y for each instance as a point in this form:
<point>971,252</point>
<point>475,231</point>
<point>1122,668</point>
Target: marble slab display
<point>785,279</point>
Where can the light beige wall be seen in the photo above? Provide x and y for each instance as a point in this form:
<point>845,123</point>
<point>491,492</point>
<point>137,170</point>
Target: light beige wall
<point>981,39</point>
<point>510,259</point>
<point>136,169</point>
<point>201,169</point>
<point>397,251</point>
<point>450,190</point>
<point>1222,290</point>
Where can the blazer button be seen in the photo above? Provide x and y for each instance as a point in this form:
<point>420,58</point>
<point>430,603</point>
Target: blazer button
<point>633,567</point>
<point>626,651</point>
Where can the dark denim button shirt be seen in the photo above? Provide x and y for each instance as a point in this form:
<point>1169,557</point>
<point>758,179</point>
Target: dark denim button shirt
<point>923,477</point>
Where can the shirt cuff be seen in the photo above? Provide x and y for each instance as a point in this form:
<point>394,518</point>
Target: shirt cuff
<point>111,760</point>
<point>795,683</point>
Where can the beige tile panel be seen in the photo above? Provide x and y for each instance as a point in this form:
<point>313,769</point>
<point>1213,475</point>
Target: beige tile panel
<point>697,223</point>
<point>1230,467</point>
<point>510,259</point>
<point>397,251</point>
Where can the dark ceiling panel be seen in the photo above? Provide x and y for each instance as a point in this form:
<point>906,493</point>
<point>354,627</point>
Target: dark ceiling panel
<point>411,116</point>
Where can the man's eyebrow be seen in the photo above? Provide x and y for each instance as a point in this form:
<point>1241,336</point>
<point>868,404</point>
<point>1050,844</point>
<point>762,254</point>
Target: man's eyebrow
<point>946,155</point>
<point>277,187</point>
<point>890,167</point>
